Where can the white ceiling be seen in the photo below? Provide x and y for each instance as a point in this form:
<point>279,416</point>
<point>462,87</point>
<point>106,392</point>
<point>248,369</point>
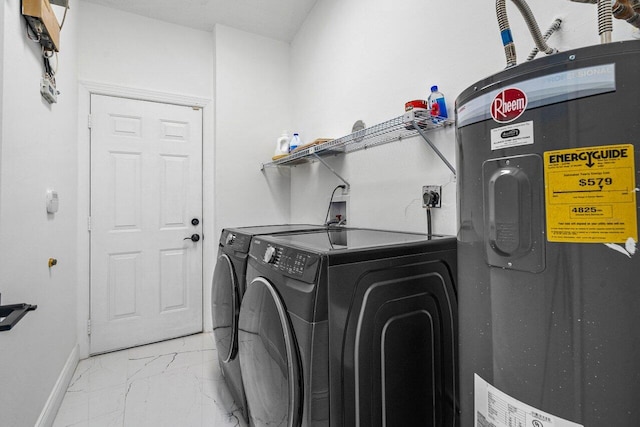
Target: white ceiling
<point>278,19</point>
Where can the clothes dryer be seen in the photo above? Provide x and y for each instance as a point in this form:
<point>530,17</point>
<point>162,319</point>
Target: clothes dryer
<point>350,327</point>
<point>227,290</point>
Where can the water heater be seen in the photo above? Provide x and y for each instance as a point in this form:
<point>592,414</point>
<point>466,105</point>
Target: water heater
<point>549,277</point>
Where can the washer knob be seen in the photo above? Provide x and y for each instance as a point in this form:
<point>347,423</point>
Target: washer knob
<point>230,238</point>
<point>269,255</point>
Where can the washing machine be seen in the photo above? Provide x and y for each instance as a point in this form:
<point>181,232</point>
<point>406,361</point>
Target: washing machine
<point>350,327</point>
<point>226,293</point>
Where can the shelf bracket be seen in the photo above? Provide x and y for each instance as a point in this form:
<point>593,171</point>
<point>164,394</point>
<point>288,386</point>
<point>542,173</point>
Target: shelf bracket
<point>423,134</point>
<point>326,165</point>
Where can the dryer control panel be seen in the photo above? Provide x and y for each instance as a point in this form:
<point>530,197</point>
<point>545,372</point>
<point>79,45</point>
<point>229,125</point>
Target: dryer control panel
<point>237,241</point>
<point>288,261</point>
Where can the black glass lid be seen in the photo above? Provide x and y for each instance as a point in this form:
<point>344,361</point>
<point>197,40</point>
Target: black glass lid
<point>276,228</point>
<point>334,239</point>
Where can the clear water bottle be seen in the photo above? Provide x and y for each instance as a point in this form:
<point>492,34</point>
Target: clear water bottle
<point>294,143</point>
<point>437,103</point>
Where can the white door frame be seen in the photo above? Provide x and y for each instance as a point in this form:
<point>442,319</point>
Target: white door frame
<point>85,90</point>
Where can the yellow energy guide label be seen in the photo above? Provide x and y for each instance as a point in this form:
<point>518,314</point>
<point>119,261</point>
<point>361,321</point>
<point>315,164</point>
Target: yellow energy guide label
<point>591,194</point>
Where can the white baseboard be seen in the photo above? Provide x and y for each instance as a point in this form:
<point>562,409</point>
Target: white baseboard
<point>50,410</point>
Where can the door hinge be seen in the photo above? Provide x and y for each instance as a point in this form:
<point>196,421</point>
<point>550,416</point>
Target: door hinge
<point>89,121</point>
<point>88,223</point>
<point>88,326</point>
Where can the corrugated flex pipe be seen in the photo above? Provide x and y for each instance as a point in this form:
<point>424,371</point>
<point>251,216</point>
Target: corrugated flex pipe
<point>505,30</point>
<point>505,33</point>
<point>605,24</point>
<point>555,26</point>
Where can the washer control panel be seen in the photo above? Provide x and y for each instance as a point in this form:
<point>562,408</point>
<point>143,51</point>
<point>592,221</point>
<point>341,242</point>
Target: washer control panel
<point>291,262</point>
<point>236,241</point>
<point>270,255</point>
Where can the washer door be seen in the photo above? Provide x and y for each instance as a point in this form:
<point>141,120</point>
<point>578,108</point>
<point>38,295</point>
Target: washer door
<point>269,359</point>
<point>225,306</point>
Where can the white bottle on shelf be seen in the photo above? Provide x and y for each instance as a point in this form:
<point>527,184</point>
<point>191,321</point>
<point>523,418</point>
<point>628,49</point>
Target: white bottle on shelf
<point>282,144</point>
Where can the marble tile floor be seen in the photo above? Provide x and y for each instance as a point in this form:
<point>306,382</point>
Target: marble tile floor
<point>174,383</point>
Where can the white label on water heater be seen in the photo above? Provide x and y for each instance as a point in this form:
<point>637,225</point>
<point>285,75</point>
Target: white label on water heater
<point>498,409</point>
<point>513,135</point>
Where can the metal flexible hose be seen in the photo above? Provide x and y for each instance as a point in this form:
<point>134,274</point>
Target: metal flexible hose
<point>505,30</point>
<point>605,21</point>
<point>505,33</point>
<point>533,27</point>
<point>555,26</point>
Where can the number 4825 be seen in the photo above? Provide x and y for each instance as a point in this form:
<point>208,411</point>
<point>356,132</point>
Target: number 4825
<point>584,209</point>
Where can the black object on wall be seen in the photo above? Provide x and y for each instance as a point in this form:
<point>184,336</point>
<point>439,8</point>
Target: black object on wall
<point>11,314</point>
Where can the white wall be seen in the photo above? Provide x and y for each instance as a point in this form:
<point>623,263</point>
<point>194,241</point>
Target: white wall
<point>252,108</point>
<point>130,50</point>
<point>363,59</point>
<point>38,152</point>
<point>144,57</point>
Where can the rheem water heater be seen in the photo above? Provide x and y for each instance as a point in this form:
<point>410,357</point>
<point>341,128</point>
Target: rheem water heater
<point>549,278</point>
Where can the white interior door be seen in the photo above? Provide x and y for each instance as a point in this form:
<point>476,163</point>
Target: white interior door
<point>146,195</point>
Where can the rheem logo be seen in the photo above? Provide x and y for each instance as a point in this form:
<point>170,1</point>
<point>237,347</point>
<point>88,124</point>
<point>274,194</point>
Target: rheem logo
<point>508,105</point>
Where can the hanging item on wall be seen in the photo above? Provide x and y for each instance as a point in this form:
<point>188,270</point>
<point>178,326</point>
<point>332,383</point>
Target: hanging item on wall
<point>43,28</point>
<point>43,22</point>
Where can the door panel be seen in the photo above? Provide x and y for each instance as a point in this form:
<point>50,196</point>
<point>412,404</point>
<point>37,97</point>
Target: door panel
<point>123,284</point>
<point>173,280</point>
<point>126,169</point>
<point>175,172</point>
<point>146,185</point>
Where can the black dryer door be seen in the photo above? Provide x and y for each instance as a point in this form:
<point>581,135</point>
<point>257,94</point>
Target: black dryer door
<point>269,358</point>
<point>225,306</point>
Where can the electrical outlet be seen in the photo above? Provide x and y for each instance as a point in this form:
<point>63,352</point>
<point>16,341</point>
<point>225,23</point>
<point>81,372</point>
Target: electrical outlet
<point>432,196</point>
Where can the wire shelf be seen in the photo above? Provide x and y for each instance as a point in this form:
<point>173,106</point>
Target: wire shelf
<point>392,130</point>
